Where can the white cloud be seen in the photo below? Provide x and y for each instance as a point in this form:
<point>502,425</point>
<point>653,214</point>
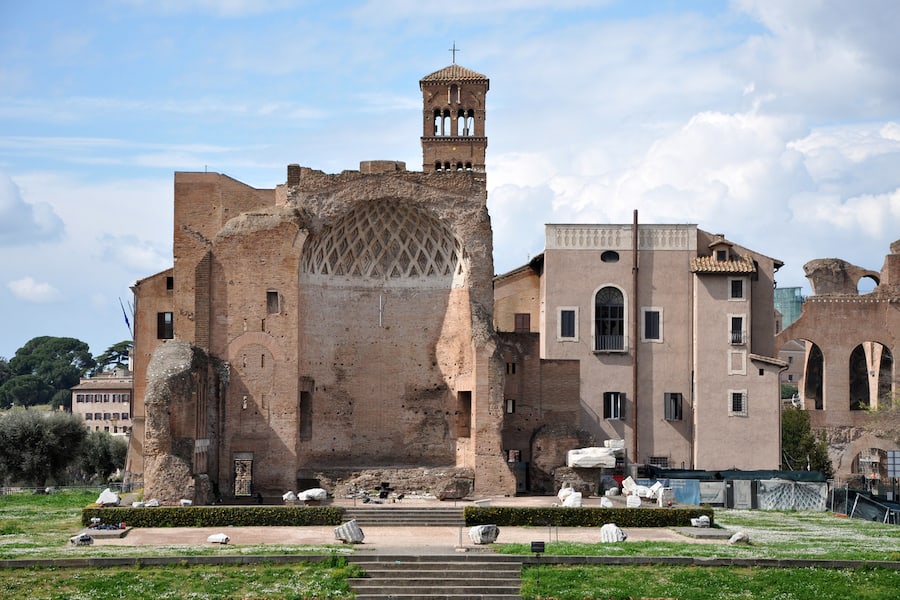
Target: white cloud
<point>24,223</point>
<point>33,291</point>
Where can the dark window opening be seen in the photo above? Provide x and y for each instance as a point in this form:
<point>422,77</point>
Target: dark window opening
<point>272,302</point>
<point>165,326</point>
<point>613,405</point>
<point>651,325</point>
<point>170,283</point>
<point>609,320</point>
<point>737,330</point>
<point>463,414</point>
<point>737,288</point>
<point>673,406</point>
<point>511,368</point>
<point>610,256</point>
<point>523,322</point>
<point>567,323</point>
<point>738,404</point>
<point>305,416</point>
<point>721,255</point>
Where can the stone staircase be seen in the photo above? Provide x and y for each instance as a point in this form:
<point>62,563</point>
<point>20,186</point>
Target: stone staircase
<point>395,514</point>
<point>444,577</point>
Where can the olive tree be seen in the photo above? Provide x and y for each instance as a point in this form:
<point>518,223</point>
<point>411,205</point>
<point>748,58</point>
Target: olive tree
<point>38,446</point>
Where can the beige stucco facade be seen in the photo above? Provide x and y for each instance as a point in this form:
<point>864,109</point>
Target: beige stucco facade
<point>673,315</point>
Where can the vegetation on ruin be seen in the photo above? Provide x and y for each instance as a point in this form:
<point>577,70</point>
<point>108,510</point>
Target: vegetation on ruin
<point>801,449</point>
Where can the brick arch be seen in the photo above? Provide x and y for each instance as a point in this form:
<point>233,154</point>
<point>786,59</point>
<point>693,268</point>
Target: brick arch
<point>259,338</point>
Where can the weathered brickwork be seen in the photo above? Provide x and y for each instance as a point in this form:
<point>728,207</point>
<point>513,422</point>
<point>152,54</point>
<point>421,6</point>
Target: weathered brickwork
<point>347,321</point>
<point>850,342</point>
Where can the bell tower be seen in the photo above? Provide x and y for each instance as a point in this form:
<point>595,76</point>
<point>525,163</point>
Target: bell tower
<point>453,119</point>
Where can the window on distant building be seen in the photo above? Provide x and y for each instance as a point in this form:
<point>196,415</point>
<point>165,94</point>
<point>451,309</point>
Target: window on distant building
<point>165,326</point>
<point>613,405</point>
<point>523,322</point>
<point>88,417</point>
<point>609,320</point>
<point>673,406</point>
<point>568,324</point>
<point>170,283</point>
<point>736,288</point>
<point>721,255</point>
<point>737,403</point>
<point>652,324</point>
<point>790,377</point>
<point>510,406</point>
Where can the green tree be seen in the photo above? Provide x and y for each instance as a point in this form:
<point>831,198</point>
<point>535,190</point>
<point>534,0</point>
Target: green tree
<point>102,454</point>
<point>59,362</point>
<point>4,370</point>
<point>25,390</point>
<point>800,447</point>
<point>115,356</point>
<point>38,446</point>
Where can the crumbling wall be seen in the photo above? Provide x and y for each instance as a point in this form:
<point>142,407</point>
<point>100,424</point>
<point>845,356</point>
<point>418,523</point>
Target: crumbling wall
<point>549,448</point>
<point>172,378</point>
<point>836,276</point>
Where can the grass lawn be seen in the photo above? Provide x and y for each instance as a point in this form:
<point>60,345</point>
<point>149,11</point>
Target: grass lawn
<point>40,526</point>
<point>702,583</point>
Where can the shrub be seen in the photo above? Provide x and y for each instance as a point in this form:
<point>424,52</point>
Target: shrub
<point>584,516</point>
<point>216,516</point>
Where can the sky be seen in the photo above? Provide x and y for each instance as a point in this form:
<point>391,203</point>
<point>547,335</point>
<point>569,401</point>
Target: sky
<point>775,123</point>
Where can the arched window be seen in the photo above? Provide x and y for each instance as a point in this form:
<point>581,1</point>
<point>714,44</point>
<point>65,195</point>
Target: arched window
<point>453,95</point>
<point>459,166</point>
<point>438,166</point>
<point>461,124</point>
<point>609,320</point>
<point>438,121</point>
<point>470,123</point>
<point>447,126</point>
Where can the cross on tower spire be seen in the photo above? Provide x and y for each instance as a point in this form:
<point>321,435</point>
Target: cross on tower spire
<point>454,50</point>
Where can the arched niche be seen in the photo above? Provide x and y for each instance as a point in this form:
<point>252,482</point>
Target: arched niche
<point>870,374</point>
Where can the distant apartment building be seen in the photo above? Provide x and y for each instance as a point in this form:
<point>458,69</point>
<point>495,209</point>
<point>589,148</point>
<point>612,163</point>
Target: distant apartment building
<point>104,402</point>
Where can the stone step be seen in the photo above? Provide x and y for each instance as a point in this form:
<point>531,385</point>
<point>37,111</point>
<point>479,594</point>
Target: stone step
<point>431,592</point>
<point>410,517</point>
<point>431,578</point>
<point>438,574</point>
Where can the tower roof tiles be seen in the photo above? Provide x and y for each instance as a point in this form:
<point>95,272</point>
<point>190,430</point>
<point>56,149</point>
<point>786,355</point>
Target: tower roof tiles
<point>453,72</point>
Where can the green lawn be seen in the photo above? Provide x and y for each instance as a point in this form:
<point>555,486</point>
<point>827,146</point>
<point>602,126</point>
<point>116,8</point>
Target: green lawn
<point>39,526</point>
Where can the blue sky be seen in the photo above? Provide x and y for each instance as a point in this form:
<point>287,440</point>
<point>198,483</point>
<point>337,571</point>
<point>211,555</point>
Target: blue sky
<point>776,123</point>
